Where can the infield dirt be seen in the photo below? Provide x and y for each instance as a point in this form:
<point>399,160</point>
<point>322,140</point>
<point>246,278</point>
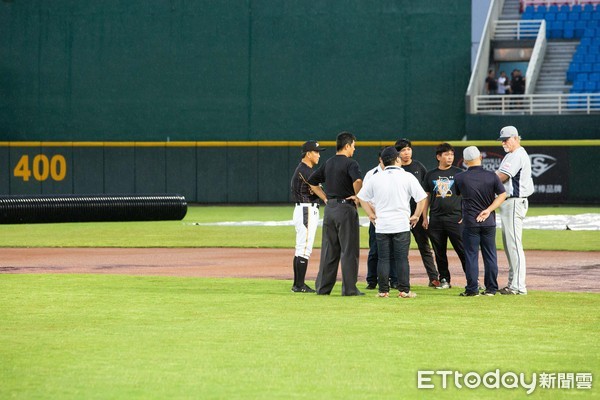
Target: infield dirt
<point>546,270</point>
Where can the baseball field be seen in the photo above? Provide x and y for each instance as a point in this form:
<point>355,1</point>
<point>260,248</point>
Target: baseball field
<point>195,309</point>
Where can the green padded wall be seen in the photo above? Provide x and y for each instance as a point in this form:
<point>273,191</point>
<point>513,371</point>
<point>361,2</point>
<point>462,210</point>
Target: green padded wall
<point>163,70</point>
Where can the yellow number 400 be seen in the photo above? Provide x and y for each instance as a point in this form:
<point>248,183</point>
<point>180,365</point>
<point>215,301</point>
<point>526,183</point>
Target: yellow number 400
<point>41,167</point>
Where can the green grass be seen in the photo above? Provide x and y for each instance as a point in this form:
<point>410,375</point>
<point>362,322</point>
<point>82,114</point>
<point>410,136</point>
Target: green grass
<point>97,336</point>
<point>185,234</point>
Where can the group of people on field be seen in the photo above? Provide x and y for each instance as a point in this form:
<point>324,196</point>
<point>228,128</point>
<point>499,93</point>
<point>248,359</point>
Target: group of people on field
<point>401,198</point>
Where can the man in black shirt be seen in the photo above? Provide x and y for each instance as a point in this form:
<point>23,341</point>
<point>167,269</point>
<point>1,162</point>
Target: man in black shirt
<point>343,180</point>
<point>444,207</point>
<point>306,213</point>
<point>404,146</point>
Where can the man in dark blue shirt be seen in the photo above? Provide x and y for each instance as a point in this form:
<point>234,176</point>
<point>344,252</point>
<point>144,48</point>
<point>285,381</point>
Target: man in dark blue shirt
<point>482,192</point>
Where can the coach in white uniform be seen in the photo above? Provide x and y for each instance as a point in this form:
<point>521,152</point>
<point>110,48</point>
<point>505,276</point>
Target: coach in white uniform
<point>515,174</point>
<point>390,191</point>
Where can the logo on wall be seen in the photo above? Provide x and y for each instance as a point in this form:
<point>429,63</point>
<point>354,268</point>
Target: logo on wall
<point>549,182</point>
<point>541,163</point>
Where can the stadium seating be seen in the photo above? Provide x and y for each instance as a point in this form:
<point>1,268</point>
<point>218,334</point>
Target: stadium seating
<point>573,19</point>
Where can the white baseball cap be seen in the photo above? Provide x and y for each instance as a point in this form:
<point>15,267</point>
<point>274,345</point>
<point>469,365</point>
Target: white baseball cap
<point>507,132</point>
<point>471,153</point>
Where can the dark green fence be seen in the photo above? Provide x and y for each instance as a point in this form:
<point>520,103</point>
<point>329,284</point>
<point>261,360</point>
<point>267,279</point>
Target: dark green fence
<point>250,172</point>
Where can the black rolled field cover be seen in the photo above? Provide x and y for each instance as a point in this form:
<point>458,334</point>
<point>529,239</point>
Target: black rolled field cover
<point>91,208</point>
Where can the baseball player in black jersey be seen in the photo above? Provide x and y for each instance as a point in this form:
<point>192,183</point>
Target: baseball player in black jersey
<point>306,213</point>
<point>404,146</point>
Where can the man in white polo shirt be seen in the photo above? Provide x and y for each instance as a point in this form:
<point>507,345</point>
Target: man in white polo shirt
<point>515,174</point>
<point>390,191</point>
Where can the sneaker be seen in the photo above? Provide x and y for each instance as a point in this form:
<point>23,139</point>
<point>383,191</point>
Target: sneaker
<point>303,289</point>
<point>488,293</point>
<point>407,295</point>
<point>469,294</point>
<point>371,286</point>
<point>444,284</point>
<point>434,283</point>
<point>383,294</point>
<point>506,290</point>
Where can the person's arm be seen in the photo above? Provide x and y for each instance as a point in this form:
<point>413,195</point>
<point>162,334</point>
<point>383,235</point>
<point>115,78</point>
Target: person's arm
<point>414,219</point>
<point>369,210</point>
<point>503,177</point>
<point>318,190</point>
<point>495,204</point>
<point>357,185</point>
<point>426,212</point>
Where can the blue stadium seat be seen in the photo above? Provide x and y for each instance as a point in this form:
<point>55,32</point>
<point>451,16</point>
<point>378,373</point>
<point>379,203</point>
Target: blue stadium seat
<point>541,9</point>
<point>588,8</point>
<point>580,28</point>
<point>538,15</point>
<point>590,86</point>
<point>573,16</point>
<point>596,67</point>
<point>595,76</point>
<point>553,9</point>
<point>596,15</point>
<point>556,28</point>
<point>578,87</point>
<point>569,31</point>
<point>564,8</point>
<point>529,9</point>
<point>550,17</point>
<point>578,58</point>
<point>572,72</point>
<point>589,32</point>
<point>581,77</point>
<point>527,16</point>
<point>576,8</point>
<point>585,16</point>
<point>586,67</point>
<point>562,16</point>
<point>585,41</point>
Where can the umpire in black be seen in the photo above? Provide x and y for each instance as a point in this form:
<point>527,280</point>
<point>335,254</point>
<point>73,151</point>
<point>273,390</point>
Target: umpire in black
<point>340,238</point>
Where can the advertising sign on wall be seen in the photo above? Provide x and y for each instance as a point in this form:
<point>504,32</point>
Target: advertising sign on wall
<point>548,166</point>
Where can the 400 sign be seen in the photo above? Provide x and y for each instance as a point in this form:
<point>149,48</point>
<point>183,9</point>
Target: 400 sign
<point>41,167</point>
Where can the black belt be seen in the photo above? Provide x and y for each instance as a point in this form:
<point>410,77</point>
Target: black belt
<point>343,201</point>
<point>308,204</point>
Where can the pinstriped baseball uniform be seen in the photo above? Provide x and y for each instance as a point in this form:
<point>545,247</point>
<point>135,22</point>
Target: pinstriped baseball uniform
<point>517,166</point>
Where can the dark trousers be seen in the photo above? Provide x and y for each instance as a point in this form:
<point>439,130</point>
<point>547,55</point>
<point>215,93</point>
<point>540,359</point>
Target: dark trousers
<point>483,237</point>
<point>439,233</point>
<point>396,244</point>
<point>422,239</point>
<point>340,242</point>
<point>373,258</point>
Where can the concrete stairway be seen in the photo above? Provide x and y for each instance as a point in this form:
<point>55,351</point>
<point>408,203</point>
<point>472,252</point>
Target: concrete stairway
<point>510,10</point>
<point>553,75</point>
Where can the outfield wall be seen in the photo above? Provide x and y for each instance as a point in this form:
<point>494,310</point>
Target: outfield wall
<point>158,70</point>
<point>252,172</point>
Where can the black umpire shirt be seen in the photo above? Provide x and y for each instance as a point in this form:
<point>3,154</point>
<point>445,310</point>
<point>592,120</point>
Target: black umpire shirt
<point>338,174</point>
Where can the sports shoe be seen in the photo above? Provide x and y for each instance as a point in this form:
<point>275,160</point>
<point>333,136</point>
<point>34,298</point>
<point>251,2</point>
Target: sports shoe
<point>383,294</point>
<point>303,289</point>
<point>434,283</point>
<point>506,290</point>
<point>371,286</point>
<point>469,294</point>
<point>444,284</point>
<point>488,293</point>
<point>407,295</point>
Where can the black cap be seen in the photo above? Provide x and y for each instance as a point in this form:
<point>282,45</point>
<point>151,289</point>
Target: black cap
<point>402,143</point>
<point>311,145</point>
<point>389,154</point>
